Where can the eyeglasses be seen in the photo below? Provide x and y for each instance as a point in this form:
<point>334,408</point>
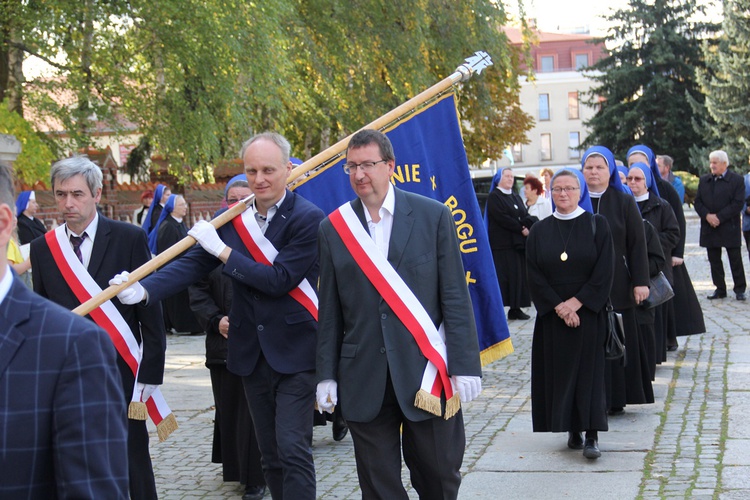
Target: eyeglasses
<point>631,179</point>
<point>568,189</point>
<point>365,166</point>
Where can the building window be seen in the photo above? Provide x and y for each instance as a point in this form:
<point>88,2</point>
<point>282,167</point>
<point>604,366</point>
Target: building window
<point>574,140</point>
<point>517,151</point>
<point>543,107</point>
<point>546,64</point>
<point>573,106</point>
<point>582,60</point>
<point>545,152</point>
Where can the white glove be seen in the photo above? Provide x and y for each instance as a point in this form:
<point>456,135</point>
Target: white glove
<point>146,390</point>
<point>468,387</point>
<point>205,234</point>
<point>134,294</point>
<point>327,395</point>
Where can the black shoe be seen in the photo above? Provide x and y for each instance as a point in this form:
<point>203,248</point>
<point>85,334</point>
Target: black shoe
<point>616,411</point>
<point>672,348</point>
<point>741,296</point>
<point>575,440</point>
<point>339,427</point>
<point>718,294</point>
<point>591,449</point>
<point>254,493</point>
<point>517,314</point>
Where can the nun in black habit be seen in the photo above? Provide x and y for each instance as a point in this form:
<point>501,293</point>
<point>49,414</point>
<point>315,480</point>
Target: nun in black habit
<point>690,320</point>
<point>508,223</point>
<point>570,263</point>
<point>629,384</point>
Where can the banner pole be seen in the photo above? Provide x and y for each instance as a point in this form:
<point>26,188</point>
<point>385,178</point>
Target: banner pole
<point>472,65</point>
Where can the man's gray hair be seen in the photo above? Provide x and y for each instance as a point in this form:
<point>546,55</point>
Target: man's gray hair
<point>719,155</point>
<point>667,160</point>
<point>278,139</point>
<point>7,195</point>
<point>77,165</point>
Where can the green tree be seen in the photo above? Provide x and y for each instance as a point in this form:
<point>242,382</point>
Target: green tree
<point>726,84</point>
<point>648,79</point>
<point>33,164</point>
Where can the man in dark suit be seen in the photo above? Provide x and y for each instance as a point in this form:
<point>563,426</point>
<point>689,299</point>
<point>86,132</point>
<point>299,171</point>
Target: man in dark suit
<point>719,203</point>
<point>272,336</point>
<point>368,360</point>
<point>69,439</point>
<point>106,248</point>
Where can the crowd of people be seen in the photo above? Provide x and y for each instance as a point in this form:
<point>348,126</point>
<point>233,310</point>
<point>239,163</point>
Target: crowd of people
<point>615,231</point>
<point>308,313</point>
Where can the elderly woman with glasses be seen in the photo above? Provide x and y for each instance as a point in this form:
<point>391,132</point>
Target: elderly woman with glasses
<point>570,263</point>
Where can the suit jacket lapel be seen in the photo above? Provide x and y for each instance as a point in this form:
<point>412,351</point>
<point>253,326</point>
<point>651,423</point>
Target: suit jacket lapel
<point>359,209</point>
<point>101,242</point>
<point>281,217</point>
<point>403,222</point>
<point>14,310</point>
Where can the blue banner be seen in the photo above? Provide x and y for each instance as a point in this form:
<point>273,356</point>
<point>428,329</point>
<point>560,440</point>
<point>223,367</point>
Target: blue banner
<point>431,161</point>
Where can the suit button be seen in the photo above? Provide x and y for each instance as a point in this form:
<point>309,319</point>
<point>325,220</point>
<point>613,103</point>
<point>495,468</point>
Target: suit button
<point>383,316</point>
<point>260,328</point>
<point>256,296</point>
<point>382,350</point>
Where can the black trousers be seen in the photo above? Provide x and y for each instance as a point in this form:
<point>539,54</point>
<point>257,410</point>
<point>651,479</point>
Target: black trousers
<point>735,264</point>
<point>281,406</point>
<point>433,452</point>
<point>140,469</point>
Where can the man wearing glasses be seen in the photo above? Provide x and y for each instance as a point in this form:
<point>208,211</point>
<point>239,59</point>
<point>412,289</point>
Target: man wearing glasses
<point>270,253</point>
<point>397,344</point>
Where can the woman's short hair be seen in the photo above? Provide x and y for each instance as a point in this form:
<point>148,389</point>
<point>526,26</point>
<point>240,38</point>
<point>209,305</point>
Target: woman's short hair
<point>565,172</point>
<point>546,171</point>
<point>534,184</point>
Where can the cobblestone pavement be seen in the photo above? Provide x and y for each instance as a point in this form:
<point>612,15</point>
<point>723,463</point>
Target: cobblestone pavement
<point>690,444</point>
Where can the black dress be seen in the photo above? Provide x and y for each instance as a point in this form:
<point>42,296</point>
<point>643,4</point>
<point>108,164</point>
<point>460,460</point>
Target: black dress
<point>630,384</point>
<point>177,313</point>
<point>567,364</point>
<point>29,229</point>
<point>234,444</point>
<point>506,218</point>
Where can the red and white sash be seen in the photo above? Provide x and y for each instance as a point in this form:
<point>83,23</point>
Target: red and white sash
<point>263,251</point>
<point>109,318</point>
<point>408,309</point>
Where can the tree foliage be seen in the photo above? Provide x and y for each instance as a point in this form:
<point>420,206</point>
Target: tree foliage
<point>35,160</point>
<point>648,79</point>
<point>726,83</point>
<point>197,77</point>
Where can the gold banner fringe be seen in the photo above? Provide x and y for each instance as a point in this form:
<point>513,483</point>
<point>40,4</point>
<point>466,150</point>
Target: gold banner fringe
<point>452,406</point>
<point>497,351</point>
<point>427,402</point>
<point>137,411</point>
<point>166,427</point>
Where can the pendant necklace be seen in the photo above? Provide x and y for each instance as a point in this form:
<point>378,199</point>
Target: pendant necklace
<point>564,254</point>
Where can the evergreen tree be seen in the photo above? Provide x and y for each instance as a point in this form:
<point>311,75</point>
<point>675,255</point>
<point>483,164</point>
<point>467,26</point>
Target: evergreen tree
<point>646,82</point>
<point>726,84</point>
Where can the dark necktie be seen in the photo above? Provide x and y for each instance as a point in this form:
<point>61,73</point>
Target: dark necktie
<point>76,241</point>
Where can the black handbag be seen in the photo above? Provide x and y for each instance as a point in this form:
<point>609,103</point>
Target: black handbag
<point>660,291</point>
<point>614,346</point>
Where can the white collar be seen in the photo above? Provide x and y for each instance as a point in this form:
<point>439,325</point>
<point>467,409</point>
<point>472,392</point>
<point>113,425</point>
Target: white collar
<point>389,204</point>
<point>504,191</point>
<point>592,194</point>
<point>5,283</point>
<point>572,215</point>
<point>90,229</point>
<point>642,197</point>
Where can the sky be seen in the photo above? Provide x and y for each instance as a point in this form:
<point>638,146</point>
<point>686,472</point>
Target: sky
<point>572,15</point>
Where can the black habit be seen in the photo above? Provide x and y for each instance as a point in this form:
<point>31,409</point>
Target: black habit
<point>29,229</point>
<point>177,313</point>
<point>567,364</point>
<point>630,384</point>
<point>506,218</point>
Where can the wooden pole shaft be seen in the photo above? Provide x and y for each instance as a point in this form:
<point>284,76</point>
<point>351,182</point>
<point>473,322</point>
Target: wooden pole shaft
<point>187,242</point>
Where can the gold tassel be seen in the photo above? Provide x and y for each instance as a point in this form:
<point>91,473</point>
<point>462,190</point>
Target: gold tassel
<point>452,406</point>
<point>427,402</point>
<point>137,411</point>
<point>166,427</point>
<point>495,352</point>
